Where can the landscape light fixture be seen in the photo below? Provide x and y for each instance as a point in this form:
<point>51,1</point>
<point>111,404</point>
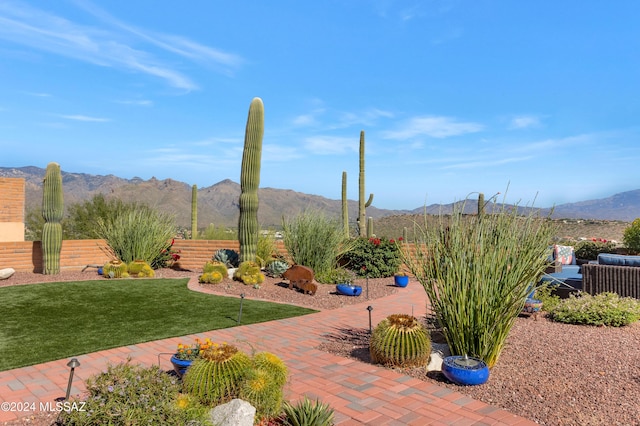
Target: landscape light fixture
<point>72,365</point>
<point>240,313</point>
<point>370,308</point>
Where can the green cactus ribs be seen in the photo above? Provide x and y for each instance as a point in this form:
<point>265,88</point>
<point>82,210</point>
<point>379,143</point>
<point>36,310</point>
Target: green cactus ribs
<point>52,212</point>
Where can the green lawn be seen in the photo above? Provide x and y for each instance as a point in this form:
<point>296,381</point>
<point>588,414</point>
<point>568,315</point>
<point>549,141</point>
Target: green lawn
<point>45,322</point>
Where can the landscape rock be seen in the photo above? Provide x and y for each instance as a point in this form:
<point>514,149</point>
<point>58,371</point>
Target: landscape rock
<point>6,273</point>
<point>234,413</point>
<point>439,351</point>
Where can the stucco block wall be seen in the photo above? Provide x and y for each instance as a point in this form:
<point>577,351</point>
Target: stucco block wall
<point>12,209</point>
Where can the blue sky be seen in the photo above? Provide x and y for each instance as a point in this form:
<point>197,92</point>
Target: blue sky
<point>455,97</point>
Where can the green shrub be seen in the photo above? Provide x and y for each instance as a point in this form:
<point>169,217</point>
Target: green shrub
<point>372,257</point>
<point>476,273</point>
<point>631,237</point>
<point>314,240</point>
<point>213,232</point>
<point>544,293</point>
<point>267,249</point>
<point>601,309</point>
<point>134,395</point>
<point>143,233</point>
<point>337,276</point>
<point>307,413</point>
<point>589,250</point>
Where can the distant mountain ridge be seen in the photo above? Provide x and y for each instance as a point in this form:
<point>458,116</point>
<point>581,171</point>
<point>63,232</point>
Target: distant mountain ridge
<point>218,203</point>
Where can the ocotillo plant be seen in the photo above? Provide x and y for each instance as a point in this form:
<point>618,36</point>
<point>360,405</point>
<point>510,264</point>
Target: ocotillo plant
<point>362,205</point>
<point>52,211</point>
<point>345,206</point>
<point>194,212</point>
<point>249,182</point>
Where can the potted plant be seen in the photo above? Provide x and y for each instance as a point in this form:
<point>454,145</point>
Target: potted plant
<point>186,354</point>
<point>343,278</point>
<point>401,279</point>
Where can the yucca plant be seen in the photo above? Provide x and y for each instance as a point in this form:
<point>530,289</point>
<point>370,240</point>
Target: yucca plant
<point>400,340</point>
<point>477,274</point>
<point>307,413</point>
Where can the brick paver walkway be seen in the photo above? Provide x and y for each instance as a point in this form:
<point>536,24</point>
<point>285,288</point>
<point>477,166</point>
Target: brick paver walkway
<point>360,393</point>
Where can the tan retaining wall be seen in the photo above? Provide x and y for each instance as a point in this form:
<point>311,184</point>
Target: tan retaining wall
<point>26,256</point>
<point>12,207</point>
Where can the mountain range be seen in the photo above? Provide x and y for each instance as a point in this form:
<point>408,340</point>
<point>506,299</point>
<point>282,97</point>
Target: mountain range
<point>218,203</point>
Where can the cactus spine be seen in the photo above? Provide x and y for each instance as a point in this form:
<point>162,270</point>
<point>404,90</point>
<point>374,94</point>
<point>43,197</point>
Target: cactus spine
<point>400,340</point>
<point>362,205</point>
<point>480,204</point>
<point>52,211</point>
<point>249,182</point>
<point>194,212</point>
<point>345,206</point>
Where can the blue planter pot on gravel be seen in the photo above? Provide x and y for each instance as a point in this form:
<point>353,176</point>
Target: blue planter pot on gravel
<point>401,280</point>
<point>466,371</point>
<point>180,365</point>
<point>349,289</point>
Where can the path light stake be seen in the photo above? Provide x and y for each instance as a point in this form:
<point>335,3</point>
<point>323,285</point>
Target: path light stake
<point>240,313</point>
<point>370,308</point>
<point>71,364</point>
<point>367,287</point>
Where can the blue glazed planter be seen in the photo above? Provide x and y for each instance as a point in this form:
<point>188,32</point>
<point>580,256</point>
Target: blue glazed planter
<point>465,371</point>
<point>180,365</point>
<point>349,289</point>
<point>401,280</point>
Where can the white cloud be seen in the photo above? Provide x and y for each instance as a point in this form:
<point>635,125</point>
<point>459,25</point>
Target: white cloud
<point>22,24</point>
<point>85,118</point>
<point>524,122</point>
<point>141,102</point>
<point>435,127</point>
<point>327,145</point>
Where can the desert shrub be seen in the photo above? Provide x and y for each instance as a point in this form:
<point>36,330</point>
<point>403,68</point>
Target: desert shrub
<point>476,271</point>
<point>338,276</point>
<point>143,233</point>
<point>267,249</point>
<point>589,250</point>
<point>129,394</point>
<point>602,309</point>
<point>544,293</point>
<point>307,413</point>
<point>312,239</point>
<point>372,257</point>
<point>213,232</point>
<point>631,237</point>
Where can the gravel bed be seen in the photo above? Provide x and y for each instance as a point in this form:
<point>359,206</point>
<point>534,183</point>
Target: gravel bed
<point>551,373</point>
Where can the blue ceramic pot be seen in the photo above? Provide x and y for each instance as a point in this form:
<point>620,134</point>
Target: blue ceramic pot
<point>349,289</point>
<point>180,365</point>
<point>466,371</point>
<point>401,280</point>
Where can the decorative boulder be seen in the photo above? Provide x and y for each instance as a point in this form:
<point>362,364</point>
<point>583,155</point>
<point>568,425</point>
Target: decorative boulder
<point>234,413</point>
<point>6,273</point>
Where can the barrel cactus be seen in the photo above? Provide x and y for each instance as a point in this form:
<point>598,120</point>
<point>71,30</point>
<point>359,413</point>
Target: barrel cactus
<point>400,340</point>
<point>263,384</point>
<point>140,269</point>
<point>216,376</point>
<point>213,272</point>
<point>52,212</point>
<point>115,269</point>
<point>249,273</point>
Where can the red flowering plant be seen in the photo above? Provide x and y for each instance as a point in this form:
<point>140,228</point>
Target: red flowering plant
<point>167,258</point>
<point>373,257</point>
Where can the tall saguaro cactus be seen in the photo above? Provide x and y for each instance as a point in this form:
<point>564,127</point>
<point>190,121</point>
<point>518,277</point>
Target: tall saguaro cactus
<point>362,205</point>
<point>52,211</point>
<point>345,206</point>
<point>480,204</point>
<point>194,212</point>
<point>249,182</point>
